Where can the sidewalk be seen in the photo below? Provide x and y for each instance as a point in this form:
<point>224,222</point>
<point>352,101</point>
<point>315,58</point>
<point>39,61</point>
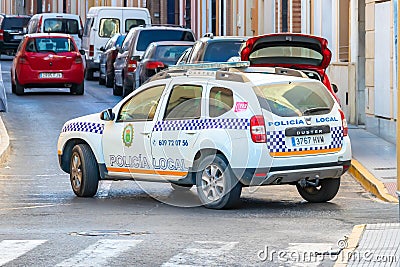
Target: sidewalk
<point>374,163</point>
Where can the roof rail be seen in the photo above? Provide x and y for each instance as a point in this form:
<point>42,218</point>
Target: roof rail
<point>211,65</point>
<point>277,70</point>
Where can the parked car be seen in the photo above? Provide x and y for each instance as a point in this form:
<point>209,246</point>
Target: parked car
<point>103,22</point>
<point>58,23</point>
<point>133,48</point>
<point>11,32</point>
<point>107,58</point>
<point>219,130</point>
<point>46,60</point>
<point>214,49</point>
<point>307,53</point>
<point>158,56</point>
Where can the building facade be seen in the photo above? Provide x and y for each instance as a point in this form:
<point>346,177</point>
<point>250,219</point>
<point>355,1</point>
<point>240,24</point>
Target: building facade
<point>361,36</point>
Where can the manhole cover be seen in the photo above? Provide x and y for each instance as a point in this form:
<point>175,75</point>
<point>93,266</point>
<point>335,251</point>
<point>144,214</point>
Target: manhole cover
<point>107,233</point>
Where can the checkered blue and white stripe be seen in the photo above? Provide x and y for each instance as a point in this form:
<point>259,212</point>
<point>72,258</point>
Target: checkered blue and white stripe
<point>276,141</point>
<point>176,125</point>
<point>90,127</point>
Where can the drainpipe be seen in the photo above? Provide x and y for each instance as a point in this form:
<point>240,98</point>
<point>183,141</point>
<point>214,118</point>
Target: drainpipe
<point>398,108</point>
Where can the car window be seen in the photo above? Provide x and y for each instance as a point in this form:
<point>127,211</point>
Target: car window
<point>147,37</point>
<point>195,54</point>
<point>61,25</point>
<point>295,99</point>
<point>221,51</point>
<point>131,23</point>
<point>120,40</point>
<point>169,53</point>
<point>184,103</point>
<point>32,26</point>
<point>142,106</point>
<point>14,23</point>
<point>286,54</point>
<point>57,45</point>
<point>88,25</point>
<point>221,101</point>
<point>127,41</point>
<point>108,27</point>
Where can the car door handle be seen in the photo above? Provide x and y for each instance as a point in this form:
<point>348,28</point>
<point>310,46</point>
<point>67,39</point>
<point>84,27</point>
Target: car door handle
<point>191,132</point>
<point>146,133</point>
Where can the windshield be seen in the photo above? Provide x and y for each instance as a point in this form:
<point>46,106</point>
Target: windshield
<point>56,45</point>
<point>15,23</point>
<point>147,37</point>
<point>295,99</point>
<point>60,25</point>
<point>222,51</point>
<point>286,55</point>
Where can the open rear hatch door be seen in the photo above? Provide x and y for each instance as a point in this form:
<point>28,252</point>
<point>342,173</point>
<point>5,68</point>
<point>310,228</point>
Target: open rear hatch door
<point>288,50</point>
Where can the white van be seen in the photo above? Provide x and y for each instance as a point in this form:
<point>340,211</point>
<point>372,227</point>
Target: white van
<point>57,23</point>
<point>102,23</point>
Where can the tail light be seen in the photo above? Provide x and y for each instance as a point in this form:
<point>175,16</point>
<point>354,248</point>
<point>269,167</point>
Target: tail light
<point>257,129</point>
<point>23,60</point>
<point>91,51</point>
<point>132,64</point>
<point>1,35</point>
<point>78,59</point>
<point>154,65</point>
<point>344,123</point>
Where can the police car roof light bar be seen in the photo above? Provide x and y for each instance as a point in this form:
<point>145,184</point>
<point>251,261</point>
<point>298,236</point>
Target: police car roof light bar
<point>211,65</point>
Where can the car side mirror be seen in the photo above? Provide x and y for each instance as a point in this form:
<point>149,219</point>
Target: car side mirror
<point>136,58</point>
<point>102,49</point>
<point>82,52</point>
<point>335,88</point>
<point>107,115</point>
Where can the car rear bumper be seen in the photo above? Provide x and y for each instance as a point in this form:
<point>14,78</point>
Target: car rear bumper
<point>291,174</point>
<point>30,78</point>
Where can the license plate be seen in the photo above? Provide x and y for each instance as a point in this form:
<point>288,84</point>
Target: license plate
<point>308,140</point>
<point>17,37</point>
<point>50,75</point>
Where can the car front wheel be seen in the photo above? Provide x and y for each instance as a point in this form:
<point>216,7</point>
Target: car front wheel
<point>217,186</point>
<point>323,192</point>
<point>84,171</point>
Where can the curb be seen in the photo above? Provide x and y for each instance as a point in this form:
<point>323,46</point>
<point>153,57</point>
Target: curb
<point>369,182</point>
<point>4,142</point>
<point>352,244</point>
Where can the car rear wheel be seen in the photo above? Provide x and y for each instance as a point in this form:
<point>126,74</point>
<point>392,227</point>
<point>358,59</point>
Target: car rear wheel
<point>217,186</point>
<point>84,171</point>
<point>19,89</point>
<point>102,81</point>
<point>325,191</point>
<point>117,90</point>
<point>109,80</point>
<point>89,74</point>
<point>78,89</point>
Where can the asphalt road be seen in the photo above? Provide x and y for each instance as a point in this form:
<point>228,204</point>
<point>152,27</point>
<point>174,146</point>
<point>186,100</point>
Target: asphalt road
<point>42,223</point>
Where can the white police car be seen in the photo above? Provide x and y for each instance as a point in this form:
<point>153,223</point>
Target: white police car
<point>217,129</point>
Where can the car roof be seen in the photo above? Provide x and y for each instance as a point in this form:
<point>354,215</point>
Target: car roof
<point>42,34</point>
<point>15,16</point>
<point>223,39</point>
<point>172,43</point>
<point>55,15</point>
<point>160,27</point>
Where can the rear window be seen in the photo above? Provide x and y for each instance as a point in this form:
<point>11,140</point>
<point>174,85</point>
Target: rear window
<point>169,53</point>
<point>132,23</point>
<point>60,25</point>
<point>57,45</point>
<point>108,27</point>
<point>295,99</point>
<point>287,55</point>
<point>147,37</point>
<point>221,51</point>
<point>14,23</point>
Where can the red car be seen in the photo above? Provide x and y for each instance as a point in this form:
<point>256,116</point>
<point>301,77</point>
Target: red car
<point>307,53</point>
<point>46,60</point>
